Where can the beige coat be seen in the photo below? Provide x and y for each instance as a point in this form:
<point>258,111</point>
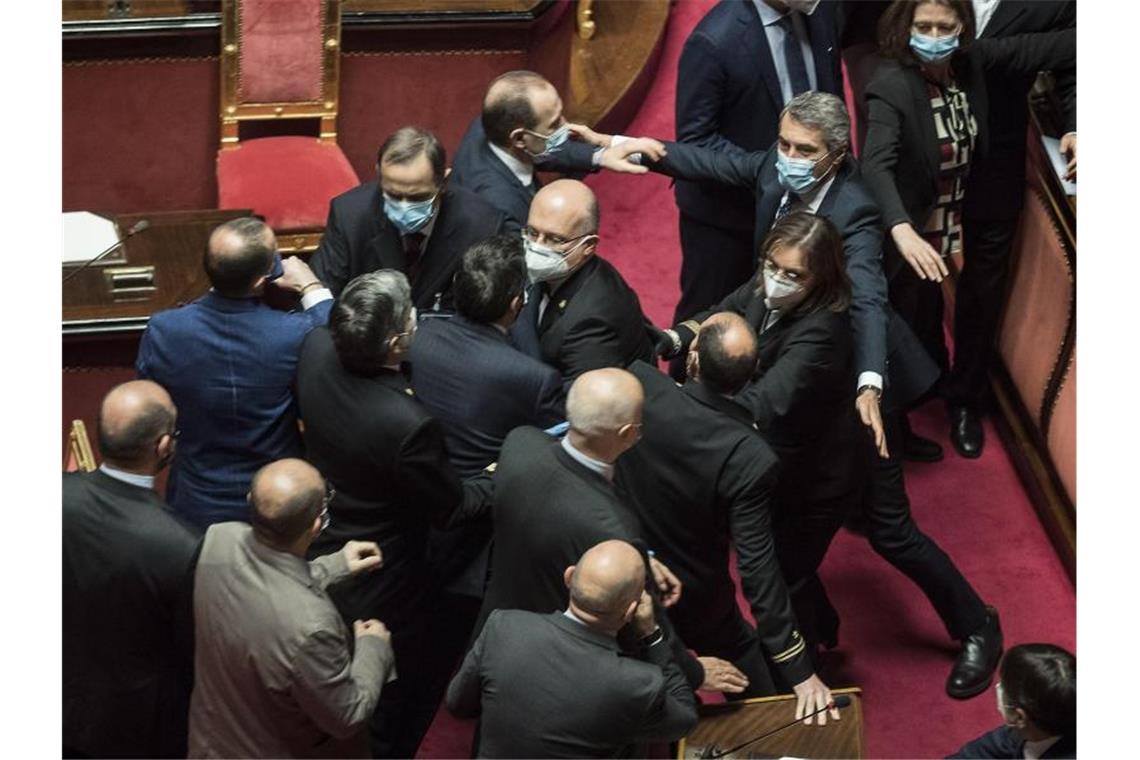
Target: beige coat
<point>275,675</point>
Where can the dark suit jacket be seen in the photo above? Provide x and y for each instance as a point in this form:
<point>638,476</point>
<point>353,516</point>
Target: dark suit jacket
<point>548,686</point>
<point>883,341</point>
<point>729,97</point>
<point>229,365</point>
<point>803,398</point>
<point>386,458</point>
<point>900,124</point>
<point>477,168</point>
<point>359,238</point>
<point>997,183</point>
<point>702,476</point>
<point>1005,742</point>
<point>593,320</point>
<point>128,632</point>
<point>479,387</point>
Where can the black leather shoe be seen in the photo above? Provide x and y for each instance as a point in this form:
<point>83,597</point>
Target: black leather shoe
<point>966,432</point>
<point>919,449</point>
<point>974,668</point>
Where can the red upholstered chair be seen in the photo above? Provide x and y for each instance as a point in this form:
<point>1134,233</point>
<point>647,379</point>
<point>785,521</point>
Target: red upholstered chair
<point>281,60</point>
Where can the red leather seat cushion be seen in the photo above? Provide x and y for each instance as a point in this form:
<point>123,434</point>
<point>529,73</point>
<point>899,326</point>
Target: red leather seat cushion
<point>287,180</point>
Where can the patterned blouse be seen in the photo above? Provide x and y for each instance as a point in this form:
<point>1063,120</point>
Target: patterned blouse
<point>957,130</point>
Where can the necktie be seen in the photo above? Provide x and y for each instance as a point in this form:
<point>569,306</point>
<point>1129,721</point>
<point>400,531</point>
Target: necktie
<point>790,201</point>
<point>794,57</point>
<point>413,243</point>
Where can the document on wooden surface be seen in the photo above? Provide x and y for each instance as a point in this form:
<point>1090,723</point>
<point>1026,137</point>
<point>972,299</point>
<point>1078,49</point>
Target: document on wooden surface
<point>86,235</point>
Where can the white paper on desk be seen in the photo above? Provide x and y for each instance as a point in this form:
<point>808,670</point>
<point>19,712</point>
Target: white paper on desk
<point>86,235</point>
<point>1059,162</point>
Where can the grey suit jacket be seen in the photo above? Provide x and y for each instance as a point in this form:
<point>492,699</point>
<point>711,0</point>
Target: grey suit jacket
<point>548,686</point>
<point>274,672</point>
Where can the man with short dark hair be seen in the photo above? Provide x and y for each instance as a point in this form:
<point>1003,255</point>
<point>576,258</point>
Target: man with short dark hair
<point>557,685</point>
<point>228,361</point>
<point>128,567</point>
<point>275,672</point>
<point>365,430</point>
<point>703,478</point>
<point>411,219</point>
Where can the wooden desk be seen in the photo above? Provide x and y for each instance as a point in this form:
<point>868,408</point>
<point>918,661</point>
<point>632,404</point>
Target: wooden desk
<point>731,723</point>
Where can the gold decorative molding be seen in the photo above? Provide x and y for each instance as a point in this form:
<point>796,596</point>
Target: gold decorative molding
<point>81,447</point>
<point>587,27</point>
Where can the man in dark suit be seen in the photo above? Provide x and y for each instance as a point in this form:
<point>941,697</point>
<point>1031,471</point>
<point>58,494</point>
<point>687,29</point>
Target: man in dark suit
<point>557,685</point>
<point>740,66</point>
<point>385,456</point>
<point>991,209</point>
<point>520,130</point>
<point>128,572</point>
<point>410,219</point>
<point>228,360</point>
<point>701,478</point>
<point>581,314</point>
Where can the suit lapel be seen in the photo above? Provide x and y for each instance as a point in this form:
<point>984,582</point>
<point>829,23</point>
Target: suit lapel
<point>435,266</point>
<point>560,299</point>
<point>384,249</point>
<point>758,52</point>
<point>769,201</point>
<point>1004,16</point>
<point>925,118</point>
<point>821,36</point>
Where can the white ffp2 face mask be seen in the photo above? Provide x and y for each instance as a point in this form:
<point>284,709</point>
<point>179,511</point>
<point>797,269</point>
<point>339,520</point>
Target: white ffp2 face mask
<point>780,293</point>
<point>544,263</point>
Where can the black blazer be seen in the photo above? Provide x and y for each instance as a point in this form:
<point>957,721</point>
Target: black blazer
<point>900,124</point>
<point>803,398</point>
<point>359,238</point>
<point>477,168</point>
<point>997,184</point>
<point>385,457</point>
<point>593,320</point>
<point>548,686</point>
<point>1005,742</point>
<point>729,97</point>
<point>702,476</point>
<point>128,632</point>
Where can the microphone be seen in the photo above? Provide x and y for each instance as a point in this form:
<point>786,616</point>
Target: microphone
<point>711,752</point>
<point>136,228</point>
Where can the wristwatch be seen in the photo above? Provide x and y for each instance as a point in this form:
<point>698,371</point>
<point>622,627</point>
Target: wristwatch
<point>655,637</point>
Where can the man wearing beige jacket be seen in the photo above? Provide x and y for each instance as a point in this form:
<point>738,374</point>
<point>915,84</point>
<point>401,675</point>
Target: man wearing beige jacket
<point>275,672</point>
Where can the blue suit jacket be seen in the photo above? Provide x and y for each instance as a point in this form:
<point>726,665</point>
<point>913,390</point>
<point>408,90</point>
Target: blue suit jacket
<point>229,364</point>
<point>1004,742</point>
<point>729,98</point>
<point>477,168</point>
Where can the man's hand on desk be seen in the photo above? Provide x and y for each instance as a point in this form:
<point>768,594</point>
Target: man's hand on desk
<point>812,694</point>
<point>1069,148</point>
<point>722,675</point>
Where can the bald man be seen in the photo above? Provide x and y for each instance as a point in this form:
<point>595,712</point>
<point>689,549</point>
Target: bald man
<point>521,127</point>
<point>703,479</point>
<point>557,684</point>
<point>580,314</point>
<point>275,672</point>
<point>128,567</point>
<point>229,361</point>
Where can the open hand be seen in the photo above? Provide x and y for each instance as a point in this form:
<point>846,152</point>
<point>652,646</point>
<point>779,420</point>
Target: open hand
<point>867,403</point>
<point>582,133</point>
<point>1069,148</point>
<point>921,256</point>
<point>622,154</point>
<point>812,694</point>
<point>722,675</point>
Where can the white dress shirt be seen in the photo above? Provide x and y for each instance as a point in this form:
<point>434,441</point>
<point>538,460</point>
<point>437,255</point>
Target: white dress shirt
<point>133,478</point>
<point>603,469</point>
<point>523,172</point>
<point>983,12</point>
<point>1034,750</point>
<point>778,37</point>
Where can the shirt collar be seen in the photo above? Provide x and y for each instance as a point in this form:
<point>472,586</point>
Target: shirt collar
<point>768,14</point>
<point>524,173</point>
<point>814,199</point>
<point>131,478</point>
<point>1038,748</point>
<point>603,469</point>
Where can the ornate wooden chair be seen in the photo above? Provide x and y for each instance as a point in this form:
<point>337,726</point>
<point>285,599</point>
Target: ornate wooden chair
<point>281,60</point>
<point>79,455</point>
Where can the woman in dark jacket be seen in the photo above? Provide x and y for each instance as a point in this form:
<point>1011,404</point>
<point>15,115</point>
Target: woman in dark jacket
<point>927,123</point>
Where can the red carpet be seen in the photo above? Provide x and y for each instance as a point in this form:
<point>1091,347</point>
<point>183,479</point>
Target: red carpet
<point>891,642</point>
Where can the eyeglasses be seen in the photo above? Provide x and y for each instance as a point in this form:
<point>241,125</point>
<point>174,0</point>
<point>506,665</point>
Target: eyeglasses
<point>534,236</point>
<point>771,268</point>
<point>330,494</point>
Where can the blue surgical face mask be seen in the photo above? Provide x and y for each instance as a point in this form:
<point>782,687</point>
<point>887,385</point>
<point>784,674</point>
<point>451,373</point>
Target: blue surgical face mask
<point>409,216</point>
<point>796,175</point>
<point>933,49</point>
<point>553,141</point>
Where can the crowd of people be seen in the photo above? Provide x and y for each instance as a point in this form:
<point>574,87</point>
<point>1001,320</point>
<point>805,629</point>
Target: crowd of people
<point>454,472</point>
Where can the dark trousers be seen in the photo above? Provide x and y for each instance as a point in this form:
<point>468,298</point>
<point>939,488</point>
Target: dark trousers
<point>719,630</point>
<point>802,534</point>
<point>714,262</point>
<point>978,304</point>
<point>896,538</point>
<point>920,304</point>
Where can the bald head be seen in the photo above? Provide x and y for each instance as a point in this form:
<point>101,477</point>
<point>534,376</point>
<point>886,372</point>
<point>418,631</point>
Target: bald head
<point>726,349</point>
<point>239,253</point>
<point>519,100</point>
<point>603,400</point>
<point>565,207</point>
<point>607,579</point>
<point>285,498</point>
<point>133,419</point>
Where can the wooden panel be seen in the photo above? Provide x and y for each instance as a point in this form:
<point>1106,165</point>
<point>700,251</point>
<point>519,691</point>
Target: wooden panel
<point>729,724</point>
<point>1062,436</point>
<point>442,6</point>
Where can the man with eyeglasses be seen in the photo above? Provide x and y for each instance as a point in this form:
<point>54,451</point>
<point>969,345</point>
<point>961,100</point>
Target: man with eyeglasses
<point>128,571</point>
<point>580,314</point>
<point>367,432</point>
<point>411,219</point>
<point>275,672</point>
